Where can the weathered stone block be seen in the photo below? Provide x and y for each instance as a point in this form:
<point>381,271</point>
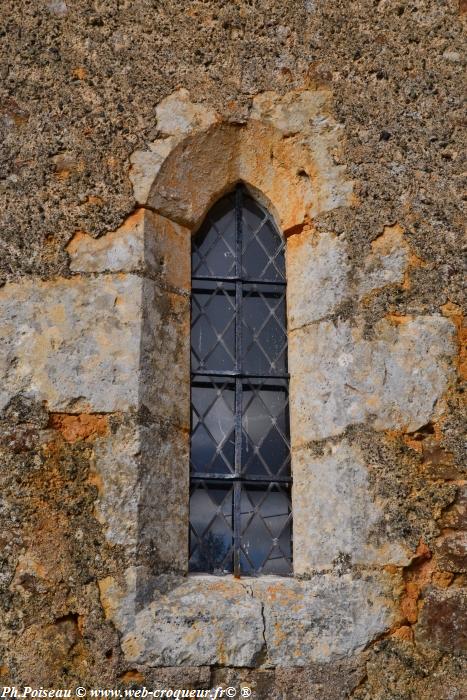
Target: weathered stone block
<point>308,114</point>
<point>325,618</point>
<point>207,620</point>
<point>116,476</point>
<point>201,621</point>
<point>317,269</point>
<point>177,115</point>
<point>163,523</point>
<point>167,252</point>
<point>318,272</point>
<point>74,343</point>
<point>296,112</point>
<point>96,345</point>
<point>145,165</point>
<point>142,477</point>
<point>165,354</point>
<point>119,251</point>
<point>335,513</point>
<point>338,378</point>
<point>146,242</point>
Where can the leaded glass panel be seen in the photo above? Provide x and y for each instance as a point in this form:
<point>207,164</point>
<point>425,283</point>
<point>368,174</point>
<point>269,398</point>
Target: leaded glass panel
<point>240,509</point>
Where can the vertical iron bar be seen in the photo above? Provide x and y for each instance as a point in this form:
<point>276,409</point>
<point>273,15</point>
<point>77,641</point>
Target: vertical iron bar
<point>237,529</point>
<point>238,381</point>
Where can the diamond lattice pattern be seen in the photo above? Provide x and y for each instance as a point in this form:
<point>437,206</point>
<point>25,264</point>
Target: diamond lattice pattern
<point>240,510</point>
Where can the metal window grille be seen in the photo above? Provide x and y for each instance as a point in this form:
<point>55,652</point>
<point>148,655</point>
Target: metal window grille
<point>240,508</point>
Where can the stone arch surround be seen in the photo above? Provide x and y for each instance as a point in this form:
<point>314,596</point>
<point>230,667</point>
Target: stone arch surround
<point>123,350</point>
<point>286,151</point>
<point>190,180</point>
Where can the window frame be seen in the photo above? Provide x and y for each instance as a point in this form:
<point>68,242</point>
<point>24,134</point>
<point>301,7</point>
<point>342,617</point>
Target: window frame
<point>238,377</point>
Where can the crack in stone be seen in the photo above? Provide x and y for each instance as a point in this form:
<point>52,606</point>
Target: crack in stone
<point>262,655</point>
<point>264,629</point>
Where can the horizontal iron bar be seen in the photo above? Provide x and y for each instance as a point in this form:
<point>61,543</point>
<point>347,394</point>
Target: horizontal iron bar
<point>234,373</point>
<point>198,476</point>
<point>237,279</point>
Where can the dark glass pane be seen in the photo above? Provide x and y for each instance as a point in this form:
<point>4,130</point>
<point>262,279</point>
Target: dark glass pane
<point>265,421</point>
<point>264,330</point>
<point>213,326</point>
<point>266,529</point>
<point>212,426</point>
<point>213,251</point>
<point>262,245</point>
<point>227,315</point>
<point>211,528</point>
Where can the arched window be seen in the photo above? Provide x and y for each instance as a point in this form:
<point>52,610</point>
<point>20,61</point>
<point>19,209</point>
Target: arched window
<point>240,509</point>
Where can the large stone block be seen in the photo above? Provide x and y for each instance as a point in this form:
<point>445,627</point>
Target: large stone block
<point>201,621</point>
<point>163,523</point>
<point>339,378</point>
<point>145,242</point>
<point>222,621</point>
<point>317,271</point>
<point>116,475</point>
<point>145,165</point>
<point>309,114</point>
<point>325,618</point>
<point>118,251</point>
<point>167,248</point>
<point>141,473</point>
<point>335,513</point>
<point>74,343</point>
<point>165,354</point>
<point>96,344</point>
<point>177,115</point>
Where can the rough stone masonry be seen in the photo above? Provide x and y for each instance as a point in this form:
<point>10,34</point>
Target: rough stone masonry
<point>122,122</point>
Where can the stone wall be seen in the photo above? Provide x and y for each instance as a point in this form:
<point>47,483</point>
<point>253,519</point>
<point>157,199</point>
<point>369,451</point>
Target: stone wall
<point>122,123</point>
